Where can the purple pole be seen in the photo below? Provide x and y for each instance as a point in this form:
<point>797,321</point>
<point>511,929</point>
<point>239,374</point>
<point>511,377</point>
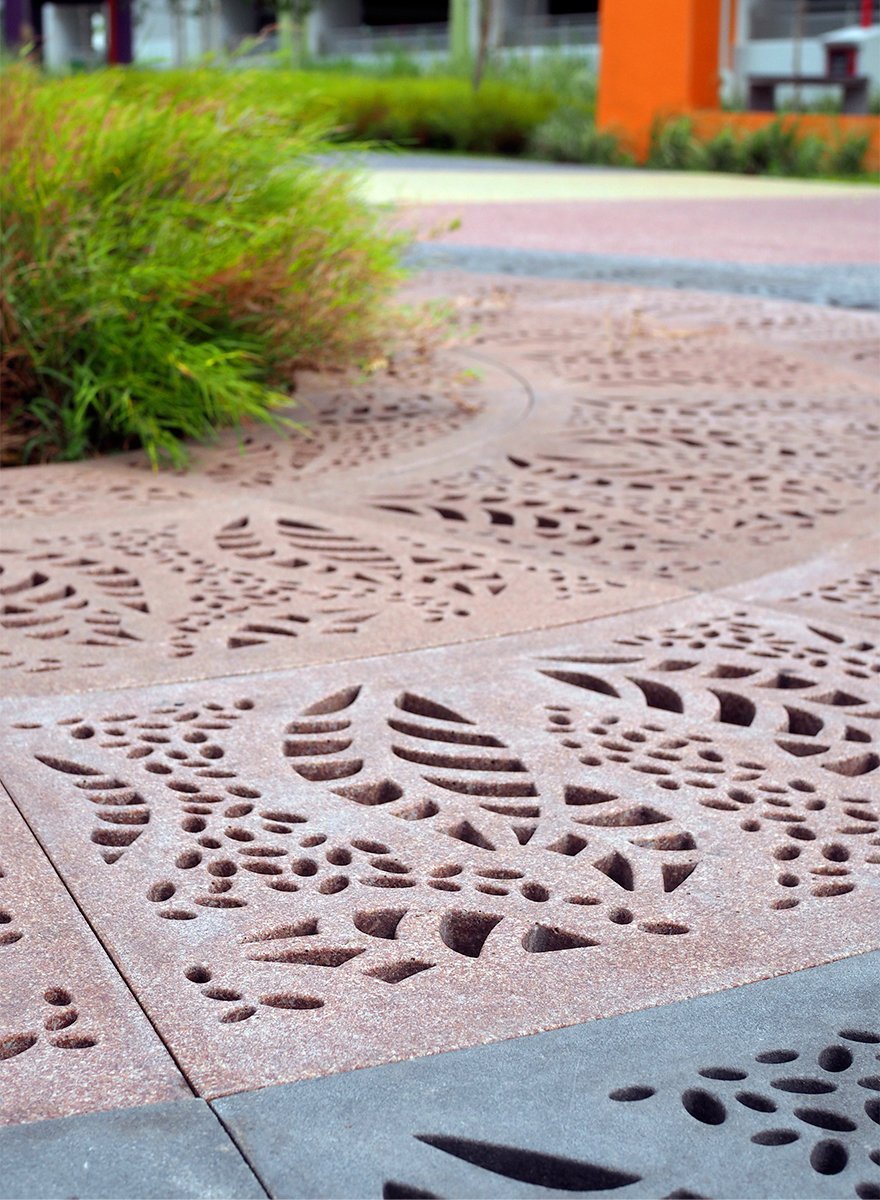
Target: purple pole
<point>16,14</point>
<point>124,32</point>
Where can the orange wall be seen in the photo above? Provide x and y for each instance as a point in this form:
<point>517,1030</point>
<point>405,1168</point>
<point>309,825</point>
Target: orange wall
<point>658,57</point>
<point>829,128</point>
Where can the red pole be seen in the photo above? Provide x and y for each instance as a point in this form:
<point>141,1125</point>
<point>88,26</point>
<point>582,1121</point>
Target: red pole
<point>867,12</point>
<point>112,32</point>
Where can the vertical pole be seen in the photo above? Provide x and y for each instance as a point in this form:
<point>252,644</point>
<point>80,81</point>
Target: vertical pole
<point>119,32</point>
<point>867,12</point>
<point>14,19</point>
<point>112,32</point>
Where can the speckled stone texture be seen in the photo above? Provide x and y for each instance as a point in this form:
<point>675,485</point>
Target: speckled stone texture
<point>313,872</point>
<point>768,1090</point>
<point>241,585</point>
<point>72,1037</point>
<point>542,690</point>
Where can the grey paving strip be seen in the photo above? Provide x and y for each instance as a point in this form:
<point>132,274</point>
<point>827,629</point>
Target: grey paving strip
<point>772,1089</point>
<point>853,285</point>
<point>177,1149</point>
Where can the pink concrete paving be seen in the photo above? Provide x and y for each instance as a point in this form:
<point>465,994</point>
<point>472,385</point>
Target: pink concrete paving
<point>72,1037</point>
<point>785,230</point>
<point>540,698</point>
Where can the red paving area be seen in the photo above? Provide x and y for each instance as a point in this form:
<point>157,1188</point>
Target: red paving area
<point>789,230</point>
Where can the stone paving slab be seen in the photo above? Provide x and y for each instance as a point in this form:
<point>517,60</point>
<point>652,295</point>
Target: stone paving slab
<point>240,584</point>
<point>401,414</point>
<point>842,586</point>
<point>156,1151</point>
<point>72,1037</point>
<point>767,1090</point>
<point>319,870</point>
<point>508,772</point>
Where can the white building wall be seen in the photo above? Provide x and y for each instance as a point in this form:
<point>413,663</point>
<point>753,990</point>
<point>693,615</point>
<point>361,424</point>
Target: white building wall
<point>69,36</point>
<point>778,57</point>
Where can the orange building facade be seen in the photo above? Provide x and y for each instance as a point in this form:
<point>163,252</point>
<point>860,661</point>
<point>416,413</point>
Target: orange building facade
<point>662,59</point>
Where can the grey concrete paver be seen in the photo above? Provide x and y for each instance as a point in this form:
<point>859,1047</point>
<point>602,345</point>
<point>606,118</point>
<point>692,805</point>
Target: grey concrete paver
<point>768,1090</point>
<point>175,1149</point>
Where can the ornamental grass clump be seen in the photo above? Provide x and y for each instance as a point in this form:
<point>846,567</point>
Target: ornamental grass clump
<point>168,263</point>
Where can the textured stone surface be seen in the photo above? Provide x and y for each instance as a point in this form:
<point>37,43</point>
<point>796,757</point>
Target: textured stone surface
<point>514,768</point>
<point>174,1149</point>
<point>72,1037</point>
<point>294,870</point>
<point>767,1090</point>
<point>241,585</point>
<point>843,586</point>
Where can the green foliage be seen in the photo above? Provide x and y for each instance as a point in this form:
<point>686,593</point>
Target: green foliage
<point>674,147</point>
<point>847,157</point>
<point>723,152</point>
<point>778,148</point>
<point>570,135</point>
<point>167,265</point>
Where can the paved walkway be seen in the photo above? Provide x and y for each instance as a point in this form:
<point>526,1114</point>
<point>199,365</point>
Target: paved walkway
<point>526,712</point>
<point>791,239</point>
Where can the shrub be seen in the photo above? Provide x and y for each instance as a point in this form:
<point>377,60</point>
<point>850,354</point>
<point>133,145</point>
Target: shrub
<point>723,152</point>
<point>168,265</point>
<point>778,148</point>
<point>847,157</point>
<point>673,146</point>
<point>569,135</point>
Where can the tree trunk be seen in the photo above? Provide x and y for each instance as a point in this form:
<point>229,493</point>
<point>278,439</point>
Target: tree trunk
<point>483,32</point>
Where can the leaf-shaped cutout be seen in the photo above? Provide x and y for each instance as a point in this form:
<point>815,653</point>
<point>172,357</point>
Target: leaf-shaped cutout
<point>640,814</point>
<point>466,832</point>
<point>397,972</point>
<point>859,764</point>
<point>66,766</point>
<point>542,939</point>
<point>305,928</point>
<point>674,874</point>
<point>381,791</point>
<point>659,695</point>
<point>569,844</point>
<point>12,1044</point>
<point>531,1166</point>
<point>331,956</point>
<point>392,1189</point>
<point>618,868</point>
<point>668,841</point>
<point>420,706</point>
<point>591,683</point>
<point>380,922</point>
<point>466,932</point>
<point>337,702</point>
<point>734,709</point>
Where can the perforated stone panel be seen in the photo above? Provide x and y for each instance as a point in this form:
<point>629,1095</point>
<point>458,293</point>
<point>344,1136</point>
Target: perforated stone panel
<point>436,849</point>
<point>239,587</point>
<point>72,1037</point>
<point>768,1090</point>
<point>842,586</point>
